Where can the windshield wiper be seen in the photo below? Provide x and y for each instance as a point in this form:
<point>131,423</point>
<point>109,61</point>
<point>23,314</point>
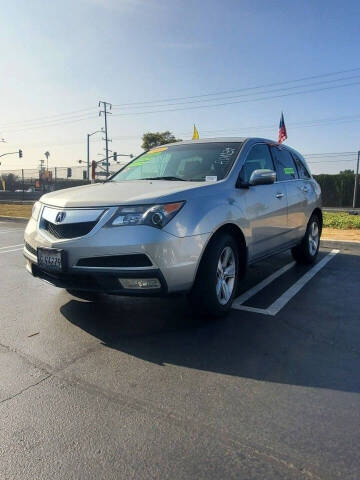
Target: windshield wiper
<point>164,178</point>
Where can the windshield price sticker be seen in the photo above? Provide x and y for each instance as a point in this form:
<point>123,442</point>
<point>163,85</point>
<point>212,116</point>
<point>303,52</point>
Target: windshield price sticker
<point>289,170</point>
<point>211,178</point>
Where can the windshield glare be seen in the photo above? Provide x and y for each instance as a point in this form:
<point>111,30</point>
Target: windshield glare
<point>189,162</point>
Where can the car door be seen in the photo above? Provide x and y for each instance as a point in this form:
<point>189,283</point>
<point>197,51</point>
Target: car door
<point>287,175</point>
<point>265,206</point>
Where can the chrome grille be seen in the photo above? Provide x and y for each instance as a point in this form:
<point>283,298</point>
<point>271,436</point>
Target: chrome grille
<point>69,223</point>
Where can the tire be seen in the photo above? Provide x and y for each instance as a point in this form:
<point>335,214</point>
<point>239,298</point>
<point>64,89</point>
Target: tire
<point>84,295</point>
<point>213,292</point>
<point>306,252</point>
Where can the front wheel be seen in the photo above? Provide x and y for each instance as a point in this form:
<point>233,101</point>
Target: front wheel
<point>307,251</point>
<point>216,280</point>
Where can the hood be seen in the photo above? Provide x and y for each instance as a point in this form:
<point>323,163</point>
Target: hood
<point>121,193</point>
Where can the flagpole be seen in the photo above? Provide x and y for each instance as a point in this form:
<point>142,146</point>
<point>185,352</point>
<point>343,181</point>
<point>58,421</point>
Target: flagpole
<point>356,180</point>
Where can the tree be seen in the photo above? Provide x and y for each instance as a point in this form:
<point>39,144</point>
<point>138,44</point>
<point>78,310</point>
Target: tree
<point>346,172</point>
<point>154,139</point>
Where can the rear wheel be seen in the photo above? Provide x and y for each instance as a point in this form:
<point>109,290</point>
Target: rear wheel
<point>307,251</point>
<point>84,295</point>
<point>216,281</point>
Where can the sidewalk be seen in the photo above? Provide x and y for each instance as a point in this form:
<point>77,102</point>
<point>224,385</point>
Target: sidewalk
<point>350,235</point>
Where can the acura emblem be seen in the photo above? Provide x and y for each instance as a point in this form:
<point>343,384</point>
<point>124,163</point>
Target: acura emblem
<point>60,217</point>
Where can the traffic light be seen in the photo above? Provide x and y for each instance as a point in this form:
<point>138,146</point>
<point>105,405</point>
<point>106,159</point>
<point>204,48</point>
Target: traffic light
<point>115,156</point>
<point>20,153</point>
<point>69,172</point>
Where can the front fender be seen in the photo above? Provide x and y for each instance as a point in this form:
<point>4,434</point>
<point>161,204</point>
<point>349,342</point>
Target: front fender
<point>206,214</point>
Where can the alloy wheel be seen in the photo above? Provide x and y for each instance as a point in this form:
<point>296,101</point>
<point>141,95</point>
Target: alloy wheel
<point>313,238</point>
<point>225,273</point>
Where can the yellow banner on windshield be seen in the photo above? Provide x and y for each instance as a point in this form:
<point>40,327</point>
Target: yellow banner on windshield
<point>158,150</point>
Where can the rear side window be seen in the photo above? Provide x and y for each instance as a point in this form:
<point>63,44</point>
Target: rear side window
<point>303,172</point>
<point>258,158</point>
<point>284,163</point>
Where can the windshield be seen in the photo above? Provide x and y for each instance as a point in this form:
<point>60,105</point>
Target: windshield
<point>184,162</point>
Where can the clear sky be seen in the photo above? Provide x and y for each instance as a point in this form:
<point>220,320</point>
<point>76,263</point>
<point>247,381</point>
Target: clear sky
<point>60,57</point>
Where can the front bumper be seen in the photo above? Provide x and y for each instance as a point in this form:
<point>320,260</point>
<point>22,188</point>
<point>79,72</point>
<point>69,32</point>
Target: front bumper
<point>173,260</point>
<point>107,282</point>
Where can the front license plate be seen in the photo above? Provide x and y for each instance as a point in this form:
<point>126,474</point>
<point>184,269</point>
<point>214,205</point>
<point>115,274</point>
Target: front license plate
<point>51,259</point>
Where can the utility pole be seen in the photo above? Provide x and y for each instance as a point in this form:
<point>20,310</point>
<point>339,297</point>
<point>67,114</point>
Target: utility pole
<point>356,180</point>
<point>47,155</point>
<point>105,112</point>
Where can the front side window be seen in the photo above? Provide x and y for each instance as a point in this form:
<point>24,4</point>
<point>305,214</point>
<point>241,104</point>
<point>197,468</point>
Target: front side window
<point>284,163</point>
<point>258,158</point>
<point>189,162</point>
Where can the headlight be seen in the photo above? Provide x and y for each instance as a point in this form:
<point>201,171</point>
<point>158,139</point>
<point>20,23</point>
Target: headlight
<point>153,215</point>
<point>36,210</point>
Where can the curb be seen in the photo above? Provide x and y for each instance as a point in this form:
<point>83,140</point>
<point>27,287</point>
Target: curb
<point>339,243</point>
<point>14,219</point>
<point>17,202</point>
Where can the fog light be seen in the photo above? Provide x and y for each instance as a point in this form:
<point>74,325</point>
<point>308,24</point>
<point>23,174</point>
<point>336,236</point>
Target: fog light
<point>140,283</point>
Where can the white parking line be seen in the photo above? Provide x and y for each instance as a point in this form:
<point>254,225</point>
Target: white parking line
<point>288,294</point>
<point>12,230</point>
<point>11,246</point>
<point>8,251</point>
<point>254,290</point>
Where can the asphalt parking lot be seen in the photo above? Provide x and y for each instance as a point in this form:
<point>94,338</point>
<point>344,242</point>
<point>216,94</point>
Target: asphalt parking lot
<point>139,388</point>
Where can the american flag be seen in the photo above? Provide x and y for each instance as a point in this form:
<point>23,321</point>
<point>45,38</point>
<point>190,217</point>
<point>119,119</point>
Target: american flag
<point>282,129</point>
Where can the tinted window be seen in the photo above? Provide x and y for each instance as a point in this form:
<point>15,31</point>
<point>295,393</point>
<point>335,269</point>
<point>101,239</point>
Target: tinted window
<point>303,173</point>
<point>258,158</point>
<point>285,165</point>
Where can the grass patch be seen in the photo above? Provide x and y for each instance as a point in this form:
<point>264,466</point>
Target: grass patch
<point>12,210</point>
<point>341,220</point>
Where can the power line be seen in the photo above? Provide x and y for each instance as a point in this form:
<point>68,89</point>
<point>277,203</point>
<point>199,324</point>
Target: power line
<point>47,118</point>
<point>334,161</point>
<point>330,154</point>
<point>238,131</point>
<point>70,115</point>
<point>54,123</point>
<point>241,89</point>
<point>323,82</point>
<point>236,102</point>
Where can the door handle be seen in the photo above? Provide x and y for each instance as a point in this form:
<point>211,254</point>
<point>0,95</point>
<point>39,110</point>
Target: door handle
<point>279,195</point>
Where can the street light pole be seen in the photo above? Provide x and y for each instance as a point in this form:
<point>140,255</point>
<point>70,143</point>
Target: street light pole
<point>88,151</point>
<point>356,180</point>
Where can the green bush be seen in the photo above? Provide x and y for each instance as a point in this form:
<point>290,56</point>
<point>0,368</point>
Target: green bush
<point>341,220</point>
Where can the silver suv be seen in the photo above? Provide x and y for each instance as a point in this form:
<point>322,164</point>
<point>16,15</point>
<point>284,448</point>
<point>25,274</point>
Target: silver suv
<point>186,217</point>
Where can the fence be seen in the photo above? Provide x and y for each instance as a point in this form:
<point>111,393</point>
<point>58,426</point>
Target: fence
<point>30,184</point>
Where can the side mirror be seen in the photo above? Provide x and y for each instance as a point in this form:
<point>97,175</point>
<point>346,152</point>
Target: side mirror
<point>262,177</point>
